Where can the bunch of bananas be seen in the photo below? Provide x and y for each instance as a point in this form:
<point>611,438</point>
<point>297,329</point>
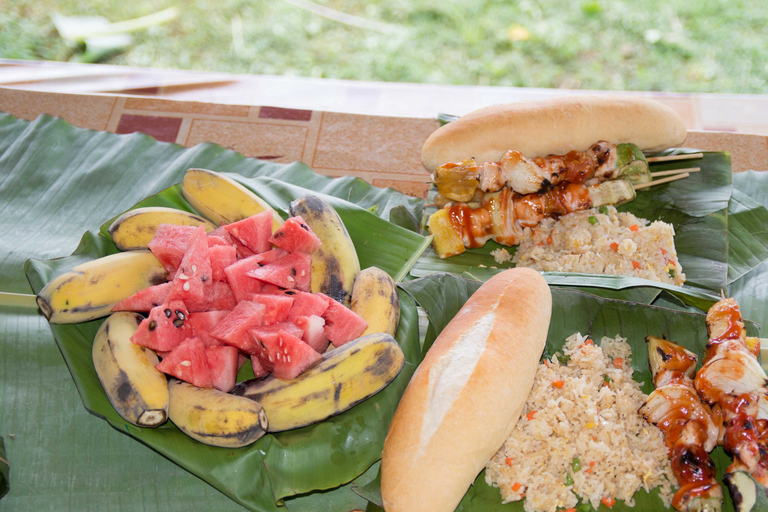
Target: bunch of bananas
<point>144,397</point>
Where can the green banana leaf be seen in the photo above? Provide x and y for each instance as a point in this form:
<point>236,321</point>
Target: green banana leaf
<point>441,295</point>
<point>322,456</point>
<point>696,207</point>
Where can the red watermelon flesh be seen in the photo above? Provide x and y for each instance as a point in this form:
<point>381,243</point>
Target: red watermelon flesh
<point>221,297</point>
<point>342,324</point>
<point>145,299</point>
<point>204,323</point>
<point>193,279</point>
<point>291,271</point>
<point>238,279</point>
<point>169,244</point>
<point>165,327</point>
<point>222,362</point>
<point>296,236</point>
<point>233,329</point>
<point>308,304</point>
<point>258,369</point>
<point>188,362</point>
<point>253,232</point>
<point>262,331</point>
<point>221,256</point>
<point>214,240</point>
<point>271,256</point>
<point>314,333</point>
<point>289,355</point>
<point>270,289</point>
<point>277,306</point>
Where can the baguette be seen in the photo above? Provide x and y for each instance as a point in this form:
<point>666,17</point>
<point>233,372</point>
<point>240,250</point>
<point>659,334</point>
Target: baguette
<point>554,126</point>
<point>466,396</point>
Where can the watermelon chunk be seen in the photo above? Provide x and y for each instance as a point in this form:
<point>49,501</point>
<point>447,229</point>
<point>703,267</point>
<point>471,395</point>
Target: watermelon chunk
<point>314,332</point>
<point>277,306</point>
<point>188,362</point>
<point>169,244</point>
<point>193,279</point>
<point>290,271</point>
<point>342,324</point>
<point>204,323</point>
<point>214,240</point>
<point>165,327</point>
<point>258,369</point>
<point>222,362</point>
<point>145,299</point>
<point>289,355</point>
<point>296,236</point>
<point>307,304</point>
<point>243,286</point>
<point>221,297</point>
<point>221,256</point>
<point>253,232</point>
<point>262,331</point>
<point>271,256</point>
<point>234,328</point>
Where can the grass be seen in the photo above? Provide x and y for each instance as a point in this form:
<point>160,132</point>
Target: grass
<point>654,45</point>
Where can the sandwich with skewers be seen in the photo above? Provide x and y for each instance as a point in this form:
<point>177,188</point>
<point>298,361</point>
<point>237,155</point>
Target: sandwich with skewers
<point>501,171</point>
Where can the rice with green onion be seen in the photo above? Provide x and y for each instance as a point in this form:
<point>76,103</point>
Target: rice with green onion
<point>602,241</point>
<point>580,437</point>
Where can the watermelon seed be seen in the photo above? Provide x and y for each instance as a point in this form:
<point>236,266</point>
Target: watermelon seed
<point>152,325</point>
<point>186,363</point>
<point>288,358</point>
<point>167,313</point>
<point>178,323</point>
<point>183,277</point>
<point>194,269</point>
<point>180,315</point>
<point>186,286</point>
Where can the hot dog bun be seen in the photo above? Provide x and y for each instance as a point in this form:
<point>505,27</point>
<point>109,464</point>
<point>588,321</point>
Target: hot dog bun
<point>466,395</point>
<point>554,126</point>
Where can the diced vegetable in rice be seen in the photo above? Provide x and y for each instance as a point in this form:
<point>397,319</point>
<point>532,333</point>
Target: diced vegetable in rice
<point>580,436</point>
<point>602,243</point>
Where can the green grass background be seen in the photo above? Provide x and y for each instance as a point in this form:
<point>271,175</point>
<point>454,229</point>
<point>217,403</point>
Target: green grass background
<point>652,45</point>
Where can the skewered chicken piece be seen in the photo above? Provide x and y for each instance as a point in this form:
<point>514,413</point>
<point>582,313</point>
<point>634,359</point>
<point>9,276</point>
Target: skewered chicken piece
<point>732,381</point>
<point>603,161</point>
<point>502,215</point>
<point>690,431</point>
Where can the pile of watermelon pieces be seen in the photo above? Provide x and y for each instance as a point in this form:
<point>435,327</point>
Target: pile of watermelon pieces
<point>240,292</point>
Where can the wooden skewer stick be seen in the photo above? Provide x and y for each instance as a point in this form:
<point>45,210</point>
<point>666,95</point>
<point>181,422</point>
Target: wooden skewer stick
<point>658,174</point>
<point>663,180</point>
<point>672,158</point>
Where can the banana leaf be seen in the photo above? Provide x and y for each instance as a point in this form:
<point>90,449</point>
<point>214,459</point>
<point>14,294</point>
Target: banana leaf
<point>441,295</point>
<point>321,456</point>
<point>65,181</point>
<point>695,206</point>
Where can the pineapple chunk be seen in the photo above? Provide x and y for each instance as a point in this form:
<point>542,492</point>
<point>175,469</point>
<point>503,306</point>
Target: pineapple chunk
<point>446,240</point>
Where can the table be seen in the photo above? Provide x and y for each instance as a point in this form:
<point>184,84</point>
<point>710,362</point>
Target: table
<point>370,130</point>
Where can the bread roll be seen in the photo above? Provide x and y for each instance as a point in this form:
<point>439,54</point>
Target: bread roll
<point>466,395</point>
<point>554,126</point>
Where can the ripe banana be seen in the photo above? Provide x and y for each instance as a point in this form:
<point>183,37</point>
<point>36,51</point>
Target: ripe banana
<point>221,199</point>
<point>135,228</point>
<point>127,372</point>
<point>334,265</point>
<point>89,291</point>
<point>214,417</point>
<point>375,300</point>
<point>344,377</point>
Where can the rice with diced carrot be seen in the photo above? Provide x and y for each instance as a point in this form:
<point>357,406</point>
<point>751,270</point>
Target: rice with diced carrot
<point>580,436</point>
<point>602,241</point>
